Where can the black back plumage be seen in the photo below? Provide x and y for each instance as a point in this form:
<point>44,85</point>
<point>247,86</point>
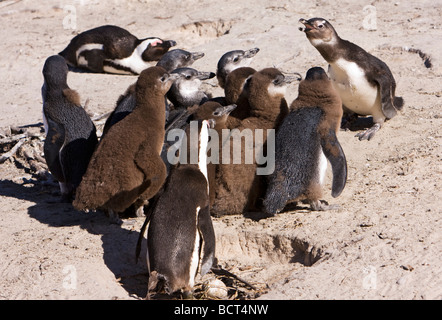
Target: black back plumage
<point>297,150</point>
<point>71,135</point>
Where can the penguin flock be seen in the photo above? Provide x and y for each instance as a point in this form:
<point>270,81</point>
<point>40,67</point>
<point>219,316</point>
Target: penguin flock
<point>129,167</point>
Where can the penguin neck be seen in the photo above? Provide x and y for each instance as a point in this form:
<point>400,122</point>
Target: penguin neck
<point>149,104</point>
<point>330,50</point>
<point>269,108</point>
<point>53,89</point>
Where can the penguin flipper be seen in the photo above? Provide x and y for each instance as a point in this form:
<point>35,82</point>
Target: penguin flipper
<point>386,85</point>
<point>335,154</point>
<point>53,143</point>
<point>205,228</point>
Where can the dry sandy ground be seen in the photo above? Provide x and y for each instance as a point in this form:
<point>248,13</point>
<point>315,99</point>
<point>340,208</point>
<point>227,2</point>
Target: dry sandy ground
<point>383,243</point>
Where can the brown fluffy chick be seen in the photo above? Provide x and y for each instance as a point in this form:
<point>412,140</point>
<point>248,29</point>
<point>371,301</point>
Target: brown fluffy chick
<point>238,187</point>
<point>127,167</point>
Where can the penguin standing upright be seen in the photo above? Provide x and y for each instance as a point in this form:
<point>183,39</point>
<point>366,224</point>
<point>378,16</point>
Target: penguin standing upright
<point>365,83</point>
<point>180,237</point>
<point>70,133</point>
<point>238,186</point>
<point>111,49</point>
<point>127,167</point>
<point>304,142</point>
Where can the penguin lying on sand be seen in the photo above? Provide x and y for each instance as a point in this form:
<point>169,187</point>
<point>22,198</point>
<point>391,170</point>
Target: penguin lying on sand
<point>111,49</point>
<point>365,83</point>
<point>70,133</point>
<point>180,237</point>
<point>304,142</point>
<point>127,167</point>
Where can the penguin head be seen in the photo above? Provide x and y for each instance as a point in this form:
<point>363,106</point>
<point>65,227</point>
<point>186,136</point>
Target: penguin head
<point>55,71</point>
<point>316,73</point>
<point>233,60</point>
<point>178,58</point>
<point>275,80</point>
<point>155,80</point>
<point>185,91</point>
<point>152,49</point>
<point>319,31</point>
<point>214,110</point>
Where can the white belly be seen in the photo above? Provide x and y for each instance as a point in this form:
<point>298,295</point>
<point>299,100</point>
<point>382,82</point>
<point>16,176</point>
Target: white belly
<point>356,93</point>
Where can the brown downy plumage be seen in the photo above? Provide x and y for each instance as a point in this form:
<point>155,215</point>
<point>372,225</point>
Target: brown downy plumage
<point>238,188</point>
<point>126,166</point>
<point>306,135</point>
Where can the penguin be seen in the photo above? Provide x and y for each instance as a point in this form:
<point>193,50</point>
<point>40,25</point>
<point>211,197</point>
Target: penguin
<point>304,141</point>
<point>124,106</point>
<point>185,91</point>
<point>178,58</point>
<point>233,60</point>
<point>235,92</point>
<point>365,83</point>
<point>238,187</point>
<point>70,133</point>
<point>220,114</point>
<point>112,49</point>
<point>126,166</point>
<point>180,236</point>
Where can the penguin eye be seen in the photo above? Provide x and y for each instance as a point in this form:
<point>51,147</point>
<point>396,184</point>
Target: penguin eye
<point>217,112</point>
<point>163,78</point>
<point>278,80</point>
<point>236,59</point>
<point>188,77</point>
<point>320,26</point>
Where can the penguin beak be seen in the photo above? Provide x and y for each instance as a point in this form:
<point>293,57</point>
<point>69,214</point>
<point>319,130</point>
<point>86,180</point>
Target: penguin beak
<point>197,55</point>
<point>204,75</point>
<point>307,25</point>
<point>291,78</point>
<point>229,108</point>
<point>167,44</point>
<point>251,53</point>
<point>223,111</point>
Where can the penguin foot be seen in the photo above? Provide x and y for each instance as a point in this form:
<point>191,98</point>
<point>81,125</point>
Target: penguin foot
<point>369,133</point>
<point>321,205</point>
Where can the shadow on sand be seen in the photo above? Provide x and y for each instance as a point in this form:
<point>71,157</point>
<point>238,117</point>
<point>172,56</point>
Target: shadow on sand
<point>118,243</point>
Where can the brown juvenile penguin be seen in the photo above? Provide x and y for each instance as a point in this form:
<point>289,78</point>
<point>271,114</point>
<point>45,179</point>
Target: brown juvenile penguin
<point>365,83</point>
<point>238,186</point>
<point>127,167</point>
<point>305,139</point>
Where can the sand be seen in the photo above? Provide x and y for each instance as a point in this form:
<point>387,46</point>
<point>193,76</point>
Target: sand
<point>384,242</point>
